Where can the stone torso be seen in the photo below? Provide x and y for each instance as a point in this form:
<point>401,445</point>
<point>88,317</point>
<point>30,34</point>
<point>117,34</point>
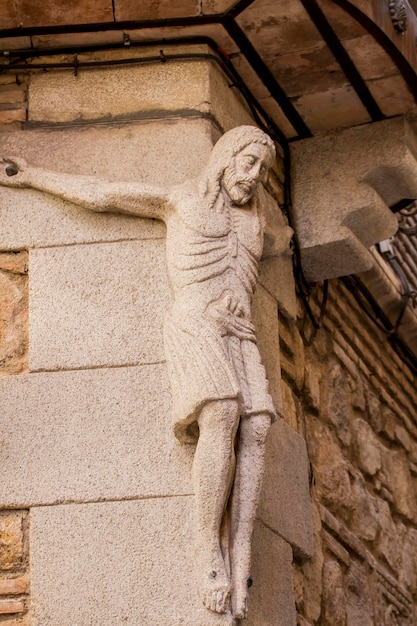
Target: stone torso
<point>212,253</point>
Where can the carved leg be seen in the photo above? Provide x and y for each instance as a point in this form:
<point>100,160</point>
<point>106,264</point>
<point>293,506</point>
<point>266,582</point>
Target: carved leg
<point>213,472</point>
<point>245,498</point>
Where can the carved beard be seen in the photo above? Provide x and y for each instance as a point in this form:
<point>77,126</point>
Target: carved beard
<point>240,189</point>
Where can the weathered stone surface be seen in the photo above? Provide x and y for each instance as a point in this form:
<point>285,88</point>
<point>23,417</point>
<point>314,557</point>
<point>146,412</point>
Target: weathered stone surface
<point>292,353</point>
<point>396,476</point>
<point>13,586</point>
<point>334,600</point>
<point>12,94</point>
<point>8,607</point>
<point>330,468</point>
<point>358,596</point>
<point>146,152</point>
<point>215,6</point>
<point>148,9</point>
<point>11,541</point>
<point>107,301</point>
<point>366,448</point>
<point>285,501</point>
<point>8,14</point>
<point>312,391</point>
<point>13,313</point>
<point>408,567</point>
<point>50,13</point>
<point>103,564</point>
<point>366,171</point>
<point>312,570</point>
<point>100,434</point>
<point>364,520</point>
<point>389,544</point>
<point>288,30</point>
<point>325,110</point>
<point>265,317</point>
<point>174,89</point>
<point>173,86</point>
<point>17,114</point>
<point>271,599</point>
<point>337,402</point>
<point>289,406</point>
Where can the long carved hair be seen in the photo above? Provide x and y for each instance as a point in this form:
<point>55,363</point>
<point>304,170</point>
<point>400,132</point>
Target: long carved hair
<point>230,144</point>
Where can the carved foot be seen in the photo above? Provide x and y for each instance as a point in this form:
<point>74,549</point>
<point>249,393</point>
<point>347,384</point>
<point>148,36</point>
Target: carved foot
<point>240,598</point>
<point>215,587</point>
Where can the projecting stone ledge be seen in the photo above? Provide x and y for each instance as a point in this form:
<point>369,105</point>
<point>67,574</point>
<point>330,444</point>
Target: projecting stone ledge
<point>343,185</point>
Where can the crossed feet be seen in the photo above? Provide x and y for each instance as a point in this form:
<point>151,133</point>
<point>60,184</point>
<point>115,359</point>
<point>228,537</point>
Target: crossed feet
<point>217,592</point>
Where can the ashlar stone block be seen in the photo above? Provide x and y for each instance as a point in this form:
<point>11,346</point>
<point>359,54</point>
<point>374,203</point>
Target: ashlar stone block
<point>107,303</point>
<point>271,599</point>
<point>155,153</point>
<point>111,563</point>
<point>343,183</point>
<point>171,90</point>
<point>285,501</point>
<point>102,434</point>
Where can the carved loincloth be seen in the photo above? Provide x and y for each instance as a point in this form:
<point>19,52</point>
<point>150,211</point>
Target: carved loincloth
<point>203,366</point>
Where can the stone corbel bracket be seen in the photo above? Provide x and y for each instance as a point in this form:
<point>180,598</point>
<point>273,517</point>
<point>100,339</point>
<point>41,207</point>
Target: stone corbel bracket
<point>343,185</point>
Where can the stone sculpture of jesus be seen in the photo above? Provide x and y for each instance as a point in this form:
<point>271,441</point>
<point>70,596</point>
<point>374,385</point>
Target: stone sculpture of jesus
<point>215,234</point>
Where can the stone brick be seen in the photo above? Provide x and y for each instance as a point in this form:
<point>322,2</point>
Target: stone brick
<point>285,501</point>
<point>364,519</point>
<point>49,13</point>
<point>403,437</point>
<point>12,95</point>
<point>11,541</point>
<point>337,402</point>
<point>366,448</point>
<point>271,599</point>
<point>312,584</point>
<point>389,544</point>
<point>107,302</point>
<point>13,586</point>
<point>100,434</point>
<point>358,596</point>
<point>289,406</point>
<point>8,607</point>
<point>8,15</point>
<point>312,380</point>
<point>396,476</point>
<point>16,263</point>
<point>14,115</point>
<point>334,600</point>
<point>148,9</point>
<point>111,563</point>
<point>292,353</point>
<point>330,468</point>
<point>13,322</point>
<point>215,6</point>
<point>408,567</point>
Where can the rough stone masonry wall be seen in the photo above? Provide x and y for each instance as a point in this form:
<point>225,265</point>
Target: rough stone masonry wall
<point>354,400</point>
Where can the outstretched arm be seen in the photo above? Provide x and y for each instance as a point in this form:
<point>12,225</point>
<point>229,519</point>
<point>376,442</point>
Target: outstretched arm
<point>87,192</point>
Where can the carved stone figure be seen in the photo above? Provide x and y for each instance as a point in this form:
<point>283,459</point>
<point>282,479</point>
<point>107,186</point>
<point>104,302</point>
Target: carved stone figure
<point>215,237</point>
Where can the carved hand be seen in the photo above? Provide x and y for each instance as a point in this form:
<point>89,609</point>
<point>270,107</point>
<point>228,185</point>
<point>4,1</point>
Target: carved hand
<point>233,317</point>
<point>13,172</point>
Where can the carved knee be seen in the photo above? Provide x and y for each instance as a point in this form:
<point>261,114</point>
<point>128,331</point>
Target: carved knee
<point>256,428</point>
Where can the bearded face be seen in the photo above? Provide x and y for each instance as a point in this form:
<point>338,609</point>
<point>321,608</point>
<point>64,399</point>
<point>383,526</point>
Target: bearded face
<point>246,170</point>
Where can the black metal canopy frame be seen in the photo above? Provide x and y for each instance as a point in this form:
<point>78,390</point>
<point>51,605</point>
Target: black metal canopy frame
<point>227,20</point>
